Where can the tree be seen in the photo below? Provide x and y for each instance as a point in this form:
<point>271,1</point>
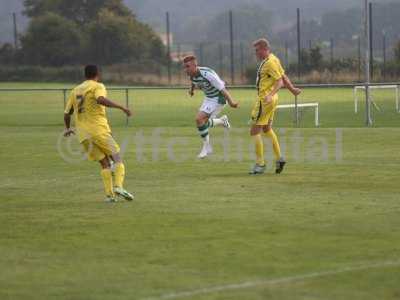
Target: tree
<point>104,31</point>
<point>79,11</point>
<point>114,39</point>
<point>7,54</point>
<point>397,52</point>
<point>341,25</point>
<point>249,23</point>
<point>393,68</point>
<point>316,58</point>
<point>51,40</point>
<point>304,60</point>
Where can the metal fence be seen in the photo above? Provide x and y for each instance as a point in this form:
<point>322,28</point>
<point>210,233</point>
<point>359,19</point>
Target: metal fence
<point>328,105</point>
<point>371,48</point>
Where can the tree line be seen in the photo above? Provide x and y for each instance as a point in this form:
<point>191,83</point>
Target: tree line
<point>73,32</point>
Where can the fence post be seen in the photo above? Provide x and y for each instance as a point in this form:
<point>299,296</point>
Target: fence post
<point>296,111</point>
<point>65,96</point>
<point>368,120</point>
<point>127,104</point>
<point>317,115</point>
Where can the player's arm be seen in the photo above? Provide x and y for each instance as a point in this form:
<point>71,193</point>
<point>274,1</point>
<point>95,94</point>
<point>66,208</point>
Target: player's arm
<point>289,85</point>
<point>111,104</point>
<point>277,86</point>
<point>67,121</point>
<point>217,82</point>
<point>228,97</point>
<point>274,70</point>
<point>69,110</point>
<point>191,90</point>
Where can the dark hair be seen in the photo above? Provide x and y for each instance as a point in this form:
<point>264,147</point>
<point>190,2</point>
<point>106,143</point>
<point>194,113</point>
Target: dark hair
<point>91,71</point>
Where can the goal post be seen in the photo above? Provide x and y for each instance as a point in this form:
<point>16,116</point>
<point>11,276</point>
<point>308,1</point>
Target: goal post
<point>314,105</point>
<point>376,87</point>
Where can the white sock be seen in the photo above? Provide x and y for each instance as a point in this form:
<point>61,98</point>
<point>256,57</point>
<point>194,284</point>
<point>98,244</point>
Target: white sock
<point>218,122</point>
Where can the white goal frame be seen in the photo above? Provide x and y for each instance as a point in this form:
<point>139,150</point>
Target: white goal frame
<point>375,87</point>
<point>315,105</point>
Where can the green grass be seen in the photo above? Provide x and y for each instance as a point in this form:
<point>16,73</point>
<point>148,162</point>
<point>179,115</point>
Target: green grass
<point>200,224</point>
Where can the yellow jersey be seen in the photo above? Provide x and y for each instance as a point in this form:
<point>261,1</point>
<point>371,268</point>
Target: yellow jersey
<point>269,71</point>
<point>90,117</point>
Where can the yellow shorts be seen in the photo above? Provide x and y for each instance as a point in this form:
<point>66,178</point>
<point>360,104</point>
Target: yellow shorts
<point>100,146</point>
<point>262,114</point>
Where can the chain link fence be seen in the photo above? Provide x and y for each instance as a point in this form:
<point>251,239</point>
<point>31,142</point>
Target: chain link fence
<point>329,105</point>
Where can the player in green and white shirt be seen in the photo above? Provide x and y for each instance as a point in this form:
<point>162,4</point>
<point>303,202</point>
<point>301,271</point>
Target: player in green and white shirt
<point>216,97</point>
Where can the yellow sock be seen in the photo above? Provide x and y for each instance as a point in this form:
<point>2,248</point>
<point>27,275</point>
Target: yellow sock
<point>275,144</point>
<point>119,174</point>
<point>259,149</point>
<point>107,181</point>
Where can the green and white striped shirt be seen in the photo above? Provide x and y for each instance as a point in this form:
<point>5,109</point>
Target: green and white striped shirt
<point>210,83</point>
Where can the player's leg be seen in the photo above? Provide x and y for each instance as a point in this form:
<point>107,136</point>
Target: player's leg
<point>112,164</point>
<point>259,119</point>
<point>119,169</point>
<point>279,159</point>
<point>96,154</point>
<point>214,121</point>
<point>203,125</point>
<point>106,175</point>
<point>111,149</point>
<point>119,177</point>
<point>259,166</point>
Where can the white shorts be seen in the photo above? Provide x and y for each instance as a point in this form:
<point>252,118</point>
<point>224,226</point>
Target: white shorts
<point>211,107</point>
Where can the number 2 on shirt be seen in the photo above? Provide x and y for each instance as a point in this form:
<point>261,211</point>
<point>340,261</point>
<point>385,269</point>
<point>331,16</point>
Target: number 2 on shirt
<point>81,100</point>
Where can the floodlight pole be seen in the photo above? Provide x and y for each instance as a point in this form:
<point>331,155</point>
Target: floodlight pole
<point>15,31</point>
<point>241,62</point>
<point>286,54</point>
<point>201,57</point>
<point>221,57</point>
<point>168,48</point>
<point>232,47</point>
<point>384,56</point>
<point>298,44</point>
<point>179,63</point>
<point>368,119</point>
<point>371,41</point>
<point>296,111</point>
<point>359,58</point>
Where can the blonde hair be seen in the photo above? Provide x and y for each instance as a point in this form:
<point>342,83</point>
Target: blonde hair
<point>188,58</point>
<point>262,42</point>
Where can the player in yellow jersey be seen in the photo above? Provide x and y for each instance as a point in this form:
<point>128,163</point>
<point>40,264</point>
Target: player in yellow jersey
<point>88,101</point>
<point>270,79</point>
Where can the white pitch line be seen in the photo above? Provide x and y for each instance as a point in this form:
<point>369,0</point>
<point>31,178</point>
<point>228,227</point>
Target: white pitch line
<point>269,282</point>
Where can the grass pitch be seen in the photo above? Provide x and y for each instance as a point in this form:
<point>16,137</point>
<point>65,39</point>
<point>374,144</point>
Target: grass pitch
<point>327,228</point>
